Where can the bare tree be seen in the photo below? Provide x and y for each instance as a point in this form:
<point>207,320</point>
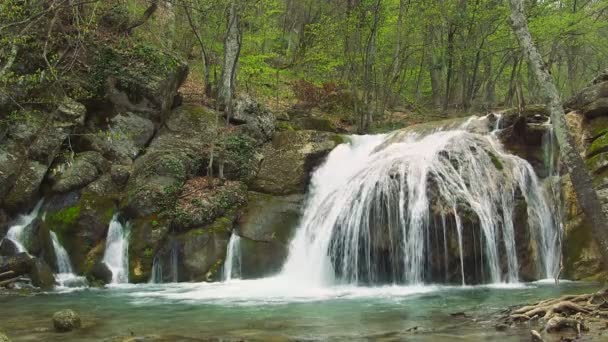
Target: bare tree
<point>581,180</point>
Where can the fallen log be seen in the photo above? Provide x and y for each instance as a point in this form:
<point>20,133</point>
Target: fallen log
<point>7,274</point>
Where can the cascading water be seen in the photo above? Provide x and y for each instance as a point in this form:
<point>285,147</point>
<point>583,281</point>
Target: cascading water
<point>116,255</point>
<point>412,208</point>
<point>65,274</point>
<point>158,270</point>
<point>18,233</point>
<point>232,265</point>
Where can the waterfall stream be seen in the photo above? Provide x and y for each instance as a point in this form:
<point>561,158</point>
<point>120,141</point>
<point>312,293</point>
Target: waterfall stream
<point>65,274</point>
<point>18,233</point>
<point>420,207</point>
<point>116,255</point>
<point>232,265</point>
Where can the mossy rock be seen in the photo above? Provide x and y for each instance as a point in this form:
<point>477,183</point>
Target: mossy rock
<point>147,235</point>
<point>315,124</point>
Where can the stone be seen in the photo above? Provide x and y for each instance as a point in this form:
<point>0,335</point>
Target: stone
<point>42,275</point>
<point>253,118</point>
<point>8,248</point>
<point>584,99</point>
<point>66,320</point>
<point>200,202</point>
<point>101,272</point>
<point>202,252</point>
<point>3,337</point>
<point>86,167</point>
<point>21,263</point>
<point>146,237</point>
<point>289,160</point>
<point>128,134</point>
<point>120,174</point>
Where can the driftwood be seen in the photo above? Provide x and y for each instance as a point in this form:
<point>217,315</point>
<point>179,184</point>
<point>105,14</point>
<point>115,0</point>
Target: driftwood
<point>7,274</point>
<point>5,283</point>
<point>563,313</point>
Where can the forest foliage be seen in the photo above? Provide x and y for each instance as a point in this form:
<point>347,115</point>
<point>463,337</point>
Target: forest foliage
<point>361,57</point>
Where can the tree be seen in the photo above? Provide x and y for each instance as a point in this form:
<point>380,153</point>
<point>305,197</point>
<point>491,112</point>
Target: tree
<point>581,180</point>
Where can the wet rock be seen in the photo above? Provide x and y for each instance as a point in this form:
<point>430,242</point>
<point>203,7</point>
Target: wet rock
<point>21,263</point>
<point>66,320</point>
<point>147,235</point>
<point>42,275</point>
<point>120,174</point>
<point>267,224</point>
<point>289,160</point>
<point>102,273</point>
<point>8,248</point>
<point>86,167</point>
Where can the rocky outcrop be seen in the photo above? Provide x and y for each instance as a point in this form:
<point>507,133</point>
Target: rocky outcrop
<point>266,226</point>
<point>86,167</point>
<point>253,119</point>
<point>589,125</point>
<point>289,160</point>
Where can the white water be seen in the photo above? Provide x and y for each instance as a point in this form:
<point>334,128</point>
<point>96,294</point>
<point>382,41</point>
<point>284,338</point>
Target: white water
<point>116,255</point>
<point>18,233</point>
<point>232,264</point>
<point>370,216</point>
<point>65,274</point>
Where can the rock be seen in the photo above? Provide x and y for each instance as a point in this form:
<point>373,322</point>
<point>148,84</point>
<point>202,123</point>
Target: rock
<point>120,174</point>
<point>591,101</point>
<point>315,124</point>
<point>66,320</point>
<point>202,251</point>
<point>147,235</point>
<point>86,167</point>
<point>81,221</point>
<point>289,160</point>
<point>267,224</point>
<point>102,272</point>
<point>128,134</point>
<point>21,263</point>
<point>177,153</point>
<point>42,275</point>
<point>142,79</point>
<point>4,338</point>
<point>8,248</point>
<point>253,118</point>
<point>200,202</point>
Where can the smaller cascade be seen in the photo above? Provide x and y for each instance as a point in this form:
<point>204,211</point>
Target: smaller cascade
<point>65,276</point>
<point>116,255</point>
<point>158,275</point>
<point>232,265</point>
<point>18,233</point>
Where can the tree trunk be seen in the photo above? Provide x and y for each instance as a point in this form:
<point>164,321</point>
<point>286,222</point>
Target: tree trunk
<point>570,156</point>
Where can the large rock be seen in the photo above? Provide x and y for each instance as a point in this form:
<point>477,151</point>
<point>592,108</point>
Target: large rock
<point>147,236</point>
<point>125,138</point>
<point>175,155</point>
<point>21,263</point>
<point>8,248</point>
<point>202,201</point>
<point>592,101</point>
<point>253,118</point>
<point>140,79</point>
<point>30,147</point>
<point>86,167</point>
<point>66,320</point>
<point>289,160</point>
<point>42,275</point>
<point>266,226</point>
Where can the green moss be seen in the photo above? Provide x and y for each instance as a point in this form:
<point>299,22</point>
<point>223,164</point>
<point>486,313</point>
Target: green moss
<point>599,145</point>
<point>496,161</point>
<point>339,139</point>
<point>62,220</point>
<point>284,126</point>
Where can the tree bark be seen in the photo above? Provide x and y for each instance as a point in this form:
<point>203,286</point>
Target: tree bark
<point>147,14</point>
<point>570,156</point>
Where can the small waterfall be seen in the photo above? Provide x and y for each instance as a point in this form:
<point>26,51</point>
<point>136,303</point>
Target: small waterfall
<point>413,208</point>
<point>158,275</point>
<point>65,274</point>
<point>116,255</point>
<point>18,233</point>
<point>232,265</point>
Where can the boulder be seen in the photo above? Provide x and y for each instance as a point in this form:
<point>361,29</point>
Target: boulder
<point>101,272</point>
<point>21,263</point>
<point>174,155</point>
<point>86,167</point>
<point>289,160</point>
<point>147,235</point>
<point>202,201</point>
<point>266,225</point>
<point>592,101</point>
<point>42,275</point>
<point>66,320</point>
<point>127,135</point>
<point>8,248</point>
<point>253,119</point>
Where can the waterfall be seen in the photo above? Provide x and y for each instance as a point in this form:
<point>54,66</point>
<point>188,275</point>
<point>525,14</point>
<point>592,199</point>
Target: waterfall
<point>65,274</point>
<point>406,208</point>
<point>116,255</point>
<point>232,265</point>
<point>18,233</point>
<point>158,270</point>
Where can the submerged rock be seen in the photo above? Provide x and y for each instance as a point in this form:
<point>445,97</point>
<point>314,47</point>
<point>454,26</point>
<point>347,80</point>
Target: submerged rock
<point>66,320</point>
